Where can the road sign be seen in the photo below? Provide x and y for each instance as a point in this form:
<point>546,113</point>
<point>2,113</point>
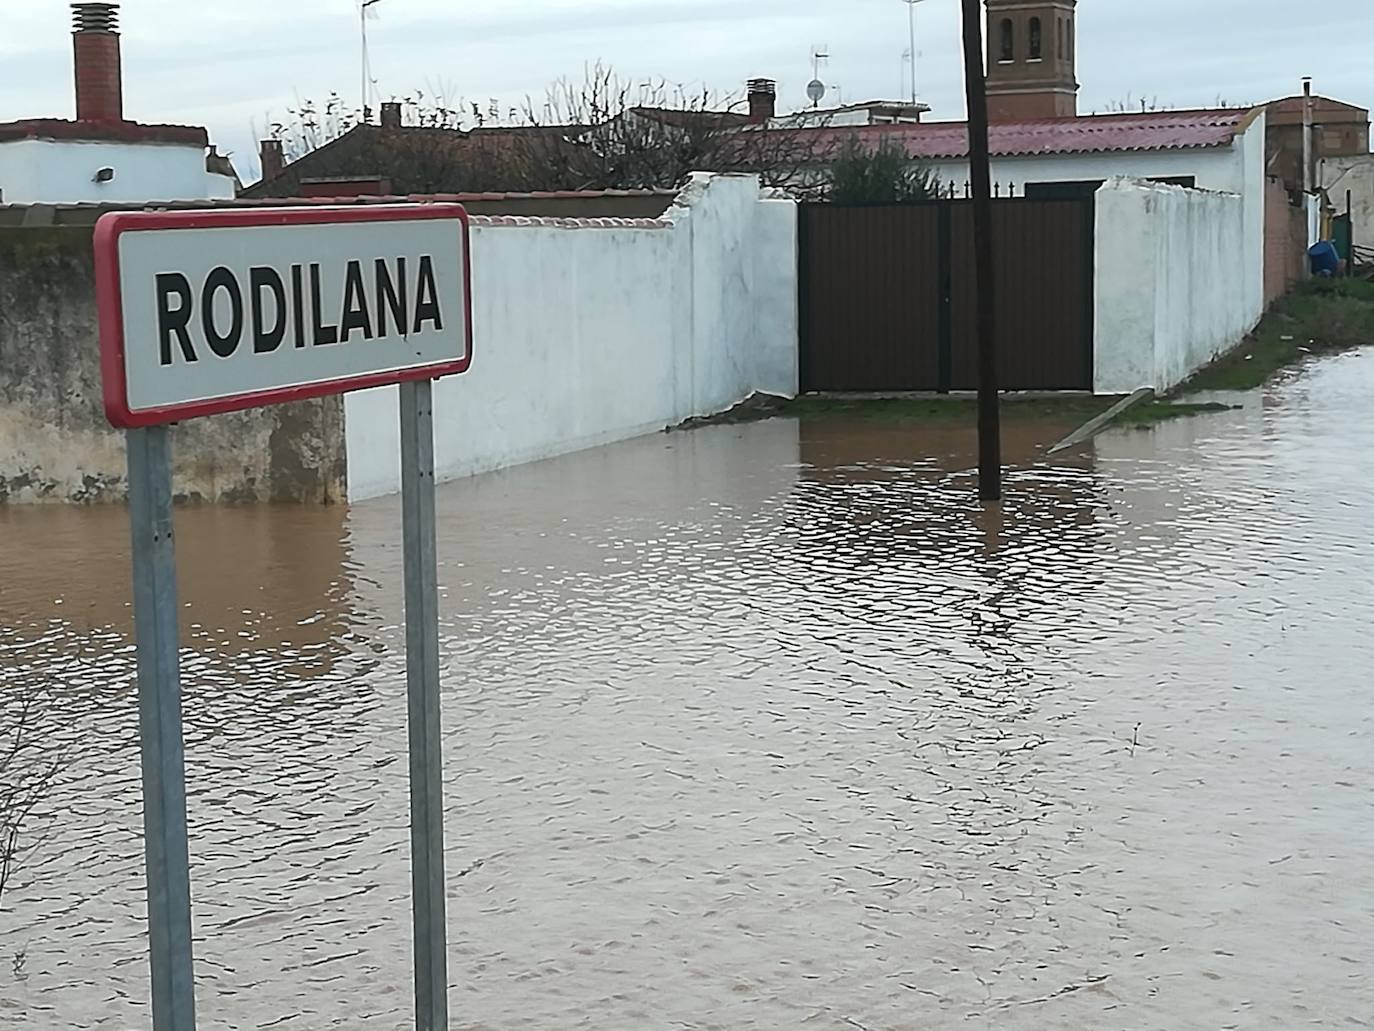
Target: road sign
<point>216,311</point>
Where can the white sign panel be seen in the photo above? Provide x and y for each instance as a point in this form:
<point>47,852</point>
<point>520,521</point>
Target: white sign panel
<point>214,311</point>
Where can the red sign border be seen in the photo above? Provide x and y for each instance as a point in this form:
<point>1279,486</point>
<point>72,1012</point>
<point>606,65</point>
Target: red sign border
<point>110,305</point>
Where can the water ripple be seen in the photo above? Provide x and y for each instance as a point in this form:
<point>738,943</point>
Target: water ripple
<point>753,727</point>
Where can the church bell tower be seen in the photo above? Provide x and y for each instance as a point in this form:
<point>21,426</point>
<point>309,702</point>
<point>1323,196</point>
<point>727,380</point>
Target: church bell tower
<point>1032,72</point>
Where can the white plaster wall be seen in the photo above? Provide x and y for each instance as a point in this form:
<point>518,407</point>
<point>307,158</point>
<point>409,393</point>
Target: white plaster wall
<point>587,332</point>
<point>774,301</point>
<point>1355,174</point>
<point>1215,168</point>
<point>1172,286</point>
<point>63,172</point>
<point>1252,177</point>
<point>217,187</point>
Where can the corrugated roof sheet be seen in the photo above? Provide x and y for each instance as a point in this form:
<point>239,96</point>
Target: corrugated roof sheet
<point>1090,134</point>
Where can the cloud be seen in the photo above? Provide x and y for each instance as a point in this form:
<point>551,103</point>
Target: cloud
<point>228,65</point>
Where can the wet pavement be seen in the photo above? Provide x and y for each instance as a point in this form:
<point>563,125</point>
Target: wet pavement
<point>760,726</point>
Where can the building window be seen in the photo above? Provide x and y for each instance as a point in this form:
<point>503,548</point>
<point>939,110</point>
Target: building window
<point>1008,40</point>
<point>1037,45</point>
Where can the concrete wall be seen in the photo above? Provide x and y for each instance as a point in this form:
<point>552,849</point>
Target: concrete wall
<point>1174,288</point>
<point>774,298</point>
<point>1355,174</point>
<point>587,331</point>
<point>592,331</point>
<point>1253,178</point>
<point>63,171</point>
<point>55,444</point>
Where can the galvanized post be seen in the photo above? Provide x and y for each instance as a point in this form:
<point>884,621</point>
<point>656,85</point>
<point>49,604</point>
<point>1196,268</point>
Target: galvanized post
<point>159,716</point>
<point>422,690</point>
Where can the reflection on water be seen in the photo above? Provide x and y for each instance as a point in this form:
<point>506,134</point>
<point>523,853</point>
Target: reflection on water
<point>764,726</point>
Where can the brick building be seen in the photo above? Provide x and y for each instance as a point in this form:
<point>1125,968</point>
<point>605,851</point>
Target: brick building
<point>101,155</point>
<point>1339,130</point>
<point>1031,59</point>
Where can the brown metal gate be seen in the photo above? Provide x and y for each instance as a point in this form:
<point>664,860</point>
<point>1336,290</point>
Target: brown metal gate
<point>887,295</point>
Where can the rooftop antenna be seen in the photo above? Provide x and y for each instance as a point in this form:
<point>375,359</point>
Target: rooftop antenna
<point>815,89</point>
<point>366,70</point>
<point>911,27</point>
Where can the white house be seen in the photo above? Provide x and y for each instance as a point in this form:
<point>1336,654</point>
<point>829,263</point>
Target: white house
<point>1216,150</point>
<point>1179,197</point>
<point>101,156</point>
<point>869,112</point>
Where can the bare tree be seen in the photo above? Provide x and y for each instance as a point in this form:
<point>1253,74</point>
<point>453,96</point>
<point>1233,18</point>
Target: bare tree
<point>24,777</point>
<point>1131,104</point>
<point>599,132</point>
<point>604,133</point>
<point>310,124</point>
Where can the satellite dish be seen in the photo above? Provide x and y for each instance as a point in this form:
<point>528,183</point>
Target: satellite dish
<point>815,90</point>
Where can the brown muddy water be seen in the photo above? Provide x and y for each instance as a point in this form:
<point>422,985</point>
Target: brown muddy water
<point>753,727</point>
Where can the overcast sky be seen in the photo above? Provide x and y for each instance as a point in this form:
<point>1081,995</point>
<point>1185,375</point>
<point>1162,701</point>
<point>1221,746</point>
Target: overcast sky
<point>234,64</point>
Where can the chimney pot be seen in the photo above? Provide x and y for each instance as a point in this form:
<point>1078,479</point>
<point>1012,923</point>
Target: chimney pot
<point>95,52</point>
<point>763,100</point>
<point>272,158</point>
<point>391,115</point>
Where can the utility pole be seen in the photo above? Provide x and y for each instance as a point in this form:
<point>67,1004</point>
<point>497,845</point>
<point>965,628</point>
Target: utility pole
<point>980,168</point>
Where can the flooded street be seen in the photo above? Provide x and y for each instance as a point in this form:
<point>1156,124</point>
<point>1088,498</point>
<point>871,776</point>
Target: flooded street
<point>764,726</point>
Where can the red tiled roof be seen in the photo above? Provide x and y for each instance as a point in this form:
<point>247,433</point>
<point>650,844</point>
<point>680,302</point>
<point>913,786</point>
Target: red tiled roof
<point>112,132</point>
<point>1090,134</point>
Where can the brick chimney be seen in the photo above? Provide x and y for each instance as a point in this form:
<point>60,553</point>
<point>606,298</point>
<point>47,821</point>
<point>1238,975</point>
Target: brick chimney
<point>95,46</point>
<point>391,115</point>
<point>272,158</point>
<point>763,100</point>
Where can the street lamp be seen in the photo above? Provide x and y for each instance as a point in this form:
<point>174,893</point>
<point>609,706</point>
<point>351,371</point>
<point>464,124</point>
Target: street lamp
<point>911,25</point>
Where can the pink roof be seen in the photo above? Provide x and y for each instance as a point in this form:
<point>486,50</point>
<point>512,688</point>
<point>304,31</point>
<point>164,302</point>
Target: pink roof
<point>1089,134</point>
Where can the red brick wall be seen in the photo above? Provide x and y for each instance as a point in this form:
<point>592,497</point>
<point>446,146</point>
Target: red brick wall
<point>1019,107</point>
<point>1285,242</point>
<point>99,93</point>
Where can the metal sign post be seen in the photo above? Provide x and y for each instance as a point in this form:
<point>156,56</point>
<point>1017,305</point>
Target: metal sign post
<point>422,707</point>
<point>205,312</point>
<point>159,722</point>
